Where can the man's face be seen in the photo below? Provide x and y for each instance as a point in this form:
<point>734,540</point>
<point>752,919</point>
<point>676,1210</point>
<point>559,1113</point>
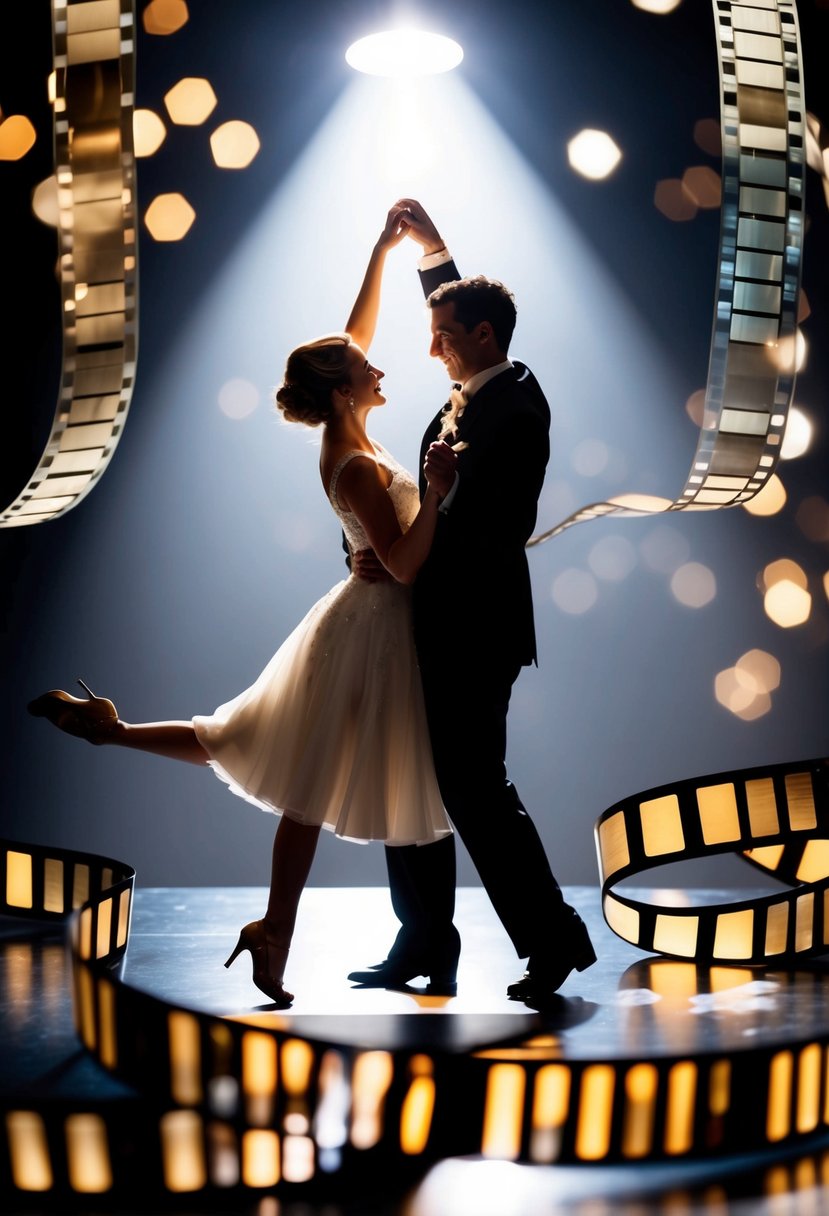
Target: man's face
<point>459,351</point>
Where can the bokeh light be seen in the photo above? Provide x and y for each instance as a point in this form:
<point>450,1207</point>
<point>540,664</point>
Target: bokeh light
<point>590,457</point>
<point>812,518</point>
<point>17,137</point>
<point>768,501</point>
<point>797,437</point>
<point>45,201</point>
<point>169,217</point>
<point>148,132</point>
<point>612,558</point>
<point>703,186</point>
<point>758,671</point>
<point>693,585</point>
<point>656,6</point>
<point>593,154</point>
<point>234,144</point>
<point>190,102</point>
<point>738,692</point>
<point>787,604</point>
<point>789,354</point>
<point>404,53</point>
<point>574,591</point>
<point>708,136</point>
<point>670,198</point>
<point>695,406</point>
<point>238,398</point>
<point>804,308</point>
<point>165,16</point>
<point>664,549</point>
<point>783,568</point>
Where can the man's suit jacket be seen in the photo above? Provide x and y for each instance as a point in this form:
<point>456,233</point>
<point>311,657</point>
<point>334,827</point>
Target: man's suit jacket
<point>472,595</point>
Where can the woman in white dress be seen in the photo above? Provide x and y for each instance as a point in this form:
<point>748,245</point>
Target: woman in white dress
<point>333,732</point>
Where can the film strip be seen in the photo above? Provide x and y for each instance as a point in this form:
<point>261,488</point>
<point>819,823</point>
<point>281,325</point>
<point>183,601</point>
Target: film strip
<point>751,372</point>
<point>94,59</point>
<point>776,817</point>
<point>226,1106</point>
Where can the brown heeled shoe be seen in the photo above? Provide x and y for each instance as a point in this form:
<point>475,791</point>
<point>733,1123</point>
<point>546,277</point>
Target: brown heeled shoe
<point>264,953</point>
<point>91,718</point>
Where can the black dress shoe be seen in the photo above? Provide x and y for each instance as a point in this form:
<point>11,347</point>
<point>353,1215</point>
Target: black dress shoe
<point>439,965</point>
<point>393,974</point>
<point>544,976</point>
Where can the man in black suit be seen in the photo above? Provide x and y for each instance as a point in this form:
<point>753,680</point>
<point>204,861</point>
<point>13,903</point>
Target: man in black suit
<point>473,621</point>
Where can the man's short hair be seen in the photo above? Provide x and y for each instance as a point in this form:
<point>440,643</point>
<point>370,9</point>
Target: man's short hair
<point>479,299</point>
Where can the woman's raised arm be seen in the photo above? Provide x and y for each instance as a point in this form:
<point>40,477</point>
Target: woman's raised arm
<point>362,323</point>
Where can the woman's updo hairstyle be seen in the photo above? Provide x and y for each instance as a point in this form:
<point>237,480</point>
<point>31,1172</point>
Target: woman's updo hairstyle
<point>312,373</point>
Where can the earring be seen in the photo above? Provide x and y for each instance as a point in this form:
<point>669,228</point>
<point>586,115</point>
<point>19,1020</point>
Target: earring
<point>351,404</point>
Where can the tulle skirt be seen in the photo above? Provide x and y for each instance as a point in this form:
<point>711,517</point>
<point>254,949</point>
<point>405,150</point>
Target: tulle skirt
<point>333,732</point>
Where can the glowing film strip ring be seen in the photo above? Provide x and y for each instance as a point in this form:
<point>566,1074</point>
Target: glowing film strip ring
<point>94,57</point>
<point>751,373</point>
<point>775,816</point>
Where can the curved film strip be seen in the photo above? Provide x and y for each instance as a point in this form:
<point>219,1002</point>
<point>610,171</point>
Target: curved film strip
<point>244,1106</point>
<point>777,817</point>
<point>94,58</point>
<point>751,371</point>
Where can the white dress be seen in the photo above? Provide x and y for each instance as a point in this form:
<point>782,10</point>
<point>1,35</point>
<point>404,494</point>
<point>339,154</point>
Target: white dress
<point>333,732</point>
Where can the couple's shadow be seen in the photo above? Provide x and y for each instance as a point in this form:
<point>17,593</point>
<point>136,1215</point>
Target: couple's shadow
<point>433,1023</point>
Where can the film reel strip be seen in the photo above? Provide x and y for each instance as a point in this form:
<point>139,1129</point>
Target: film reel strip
<point>230,1106</point>
<point>751,373</point>
<point>776,817</point>
<point>94,58</point>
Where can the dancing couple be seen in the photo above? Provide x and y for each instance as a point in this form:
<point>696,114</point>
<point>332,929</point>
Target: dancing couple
<point>383,715</point>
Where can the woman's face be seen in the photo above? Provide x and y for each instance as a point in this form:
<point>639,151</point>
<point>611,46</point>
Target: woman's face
<point>365,379</point>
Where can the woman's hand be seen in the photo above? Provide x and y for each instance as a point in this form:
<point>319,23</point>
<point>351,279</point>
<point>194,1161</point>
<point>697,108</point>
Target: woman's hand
<point>440,467</point>
<point>394,229</point>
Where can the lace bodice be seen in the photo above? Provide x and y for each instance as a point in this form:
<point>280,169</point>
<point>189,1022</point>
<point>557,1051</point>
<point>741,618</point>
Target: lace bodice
<point>402,491</point>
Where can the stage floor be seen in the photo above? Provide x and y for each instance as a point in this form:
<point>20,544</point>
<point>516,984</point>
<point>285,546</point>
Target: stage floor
<point>626,1005</point>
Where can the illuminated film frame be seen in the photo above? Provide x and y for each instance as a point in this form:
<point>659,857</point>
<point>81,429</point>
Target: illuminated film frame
<point>94,64</point>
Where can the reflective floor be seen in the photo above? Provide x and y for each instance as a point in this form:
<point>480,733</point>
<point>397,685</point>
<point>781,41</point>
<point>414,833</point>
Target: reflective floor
<point>625,1005</point>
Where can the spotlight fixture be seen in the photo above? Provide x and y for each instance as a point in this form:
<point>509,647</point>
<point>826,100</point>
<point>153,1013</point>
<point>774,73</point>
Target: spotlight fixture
<point>404,52</point>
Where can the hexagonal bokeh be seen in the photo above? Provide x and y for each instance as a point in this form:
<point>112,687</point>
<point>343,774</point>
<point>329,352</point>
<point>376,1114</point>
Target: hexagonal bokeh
<point>703,185</point>
<point>148,132</point>
<point>670,198</point>
<point>165,16</point>
<point>190,102</point>
<point>234,145</point>
<point>593,154</point>
<point>169,217</point>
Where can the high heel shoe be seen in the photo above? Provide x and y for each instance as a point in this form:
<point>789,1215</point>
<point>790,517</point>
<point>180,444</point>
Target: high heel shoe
<point>91,718</point>
<point>264,953</point>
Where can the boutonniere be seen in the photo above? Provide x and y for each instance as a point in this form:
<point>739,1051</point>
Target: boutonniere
<point>457,400</point>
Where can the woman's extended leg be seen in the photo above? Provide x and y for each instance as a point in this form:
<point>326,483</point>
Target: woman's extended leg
<point>96,720</point>
<point>176,740</point>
